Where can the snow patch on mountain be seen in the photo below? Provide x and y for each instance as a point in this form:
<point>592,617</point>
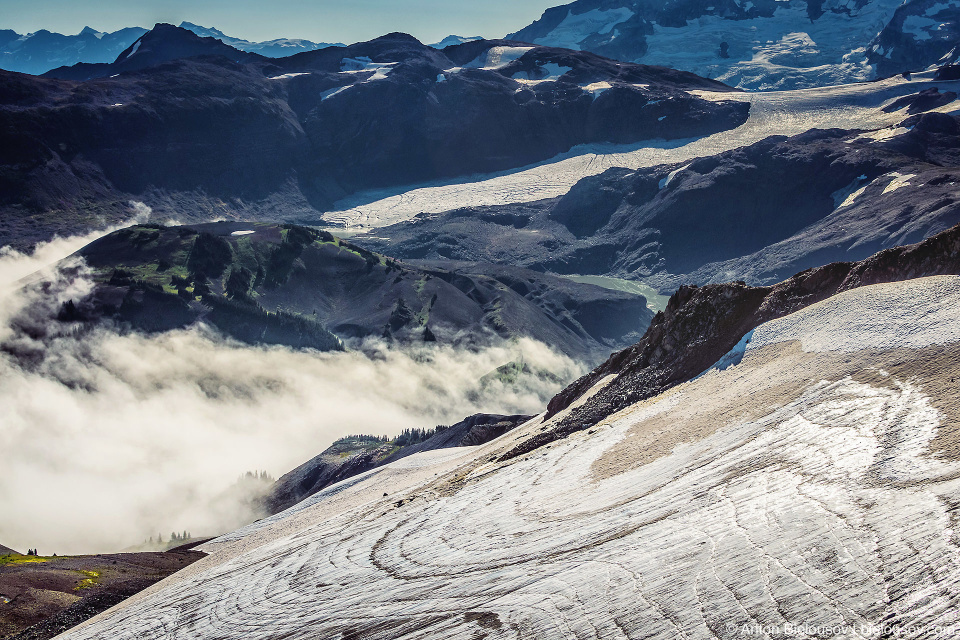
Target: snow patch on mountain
<point>289,75</point>
<point>597,88</point>
<point>575,28</point>
<point>897,181</point>
<point>882,135</point>
<point>861,319</point>
<point>848,195</point>
<point>136,47</point>
<point>450,41</point>
<point>362,64</point>
<point>919,27</point>
<point>497,57</point>
<point>329,93</point>
<point>549,72</point>
<point>665,182</point>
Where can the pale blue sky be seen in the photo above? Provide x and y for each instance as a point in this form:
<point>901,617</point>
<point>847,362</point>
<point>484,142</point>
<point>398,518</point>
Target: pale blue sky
<point>318,20</point>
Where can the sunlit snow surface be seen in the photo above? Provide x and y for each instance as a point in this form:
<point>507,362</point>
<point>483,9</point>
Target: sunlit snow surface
<point>771,113</point>
<point>787,50</point>
<point>781,493</point>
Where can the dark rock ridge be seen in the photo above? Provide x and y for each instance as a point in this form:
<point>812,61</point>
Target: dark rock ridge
<point>756,213</point>
<point>809,42</point>
<point>702,324</point>
<point>230,134</point>
<point>283,284</point>
<point>354,455</point>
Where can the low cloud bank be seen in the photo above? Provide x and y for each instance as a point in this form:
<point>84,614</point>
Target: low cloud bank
<point>109,438</point>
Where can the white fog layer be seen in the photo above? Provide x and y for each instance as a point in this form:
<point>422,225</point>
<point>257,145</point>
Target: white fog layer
<point>109,438</point>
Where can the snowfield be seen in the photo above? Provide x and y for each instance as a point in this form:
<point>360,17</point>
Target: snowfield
<point>771,113</point>
<point>787,50</point>
<point>574,28</point>
<point>812,485</point>
<point>770,53</point>
<point>497,57</point>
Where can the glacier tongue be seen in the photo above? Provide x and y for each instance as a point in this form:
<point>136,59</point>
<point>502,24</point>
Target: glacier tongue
<point>786,493</point>
<point>771,113</point>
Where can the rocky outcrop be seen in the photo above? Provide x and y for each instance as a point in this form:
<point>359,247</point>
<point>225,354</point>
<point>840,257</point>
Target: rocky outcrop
<point>702,324</point>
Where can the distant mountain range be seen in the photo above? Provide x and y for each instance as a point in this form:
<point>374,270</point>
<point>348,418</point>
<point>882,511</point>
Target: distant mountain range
<point>760,44</point>
<point>39,52</point>
<point>278,48</point>
<point>185,123</point>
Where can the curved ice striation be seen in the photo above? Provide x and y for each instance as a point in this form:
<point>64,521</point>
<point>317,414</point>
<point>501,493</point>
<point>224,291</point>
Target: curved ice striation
<point>773,113</point>
<point>729,504</point>
<point>912,314</point>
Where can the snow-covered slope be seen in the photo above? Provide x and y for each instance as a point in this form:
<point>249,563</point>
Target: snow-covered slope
<point>759,44</point>
<point>810,486</point>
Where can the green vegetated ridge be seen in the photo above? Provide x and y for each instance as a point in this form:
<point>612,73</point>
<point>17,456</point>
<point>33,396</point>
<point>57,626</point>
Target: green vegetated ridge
<point>219,276</point>
<point>305,288</point>
<point>358,444</point>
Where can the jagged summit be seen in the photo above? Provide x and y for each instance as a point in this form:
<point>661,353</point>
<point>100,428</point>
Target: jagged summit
<point>163,43</point>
